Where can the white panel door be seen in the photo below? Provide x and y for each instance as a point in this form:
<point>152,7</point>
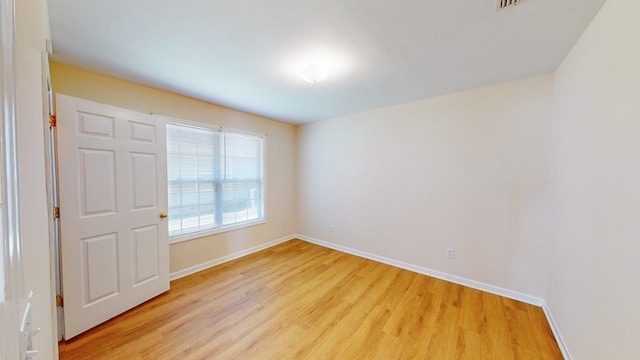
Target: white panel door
<point>113,203</point>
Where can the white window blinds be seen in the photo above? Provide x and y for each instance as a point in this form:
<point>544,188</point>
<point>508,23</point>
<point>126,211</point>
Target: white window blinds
<point>215,178</point>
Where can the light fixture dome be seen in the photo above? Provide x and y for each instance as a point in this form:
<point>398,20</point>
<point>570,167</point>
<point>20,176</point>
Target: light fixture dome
<point>314,73</point>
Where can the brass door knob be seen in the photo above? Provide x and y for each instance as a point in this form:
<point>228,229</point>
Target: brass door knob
<point>163,215</point>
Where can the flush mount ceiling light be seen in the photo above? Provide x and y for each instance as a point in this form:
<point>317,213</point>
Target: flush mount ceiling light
<point>314,73</point>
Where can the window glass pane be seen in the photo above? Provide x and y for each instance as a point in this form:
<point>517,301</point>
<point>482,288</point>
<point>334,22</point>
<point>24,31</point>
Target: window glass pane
<point>190,218</point>
<point>205,167</point>
<point>240,202</point>
<point>188,147</point>
<point>175,221</point>
<point>173,166</point>
<point>207,215</point>
<point>243,156</point>
<point>189,194</point>
<point>174,194</point>
<point>207,193</point>
<point>188,167</point>
<point>206,150</point>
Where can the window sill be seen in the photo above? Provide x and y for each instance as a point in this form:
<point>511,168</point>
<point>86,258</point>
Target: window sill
<point>219,230</point>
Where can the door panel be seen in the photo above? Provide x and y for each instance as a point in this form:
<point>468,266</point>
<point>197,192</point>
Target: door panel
<point>96,125</point>
<point>112,171</point>
<point>145,254</point>
<point>100,267</point>
<point>143,181</point>
<point>97,182</point>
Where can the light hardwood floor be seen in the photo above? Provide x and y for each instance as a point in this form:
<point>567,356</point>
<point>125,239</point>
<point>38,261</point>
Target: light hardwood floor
<point>302,301</point>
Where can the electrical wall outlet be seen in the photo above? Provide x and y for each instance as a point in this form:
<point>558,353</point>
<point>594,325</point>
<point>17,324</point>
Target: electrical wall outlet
<point>451,253</point>
<point>331,228</point>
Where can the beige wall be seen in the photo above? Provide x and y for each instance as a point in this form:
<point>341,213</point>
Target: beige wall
<point>280,156</point>
<point>466,170</point>
<point>32,28</point>
<point>596,177</point>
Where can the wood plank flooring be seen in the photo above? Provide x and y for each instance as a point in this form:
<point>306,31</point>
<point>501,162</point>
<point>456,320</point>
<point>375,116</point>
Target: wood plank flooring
<point>302,301</point>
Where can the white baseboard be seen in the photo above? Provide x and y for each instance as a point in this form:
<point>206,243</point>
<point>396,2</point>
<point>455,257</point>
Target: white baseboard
<point>556,332</point>
<point>226,258</point>
<point>430,272</point>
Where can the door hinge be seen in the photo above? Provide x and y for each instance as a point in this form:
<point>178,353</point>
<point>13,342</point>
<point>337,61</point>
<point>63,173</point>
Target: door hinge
<point>56,212</point>
<point>59,301</point>
<point>53,121</point>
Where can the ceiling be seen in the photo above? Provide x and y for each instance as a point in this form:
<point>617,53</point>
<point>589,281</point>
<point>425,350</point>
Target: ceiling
<point>248,54</point>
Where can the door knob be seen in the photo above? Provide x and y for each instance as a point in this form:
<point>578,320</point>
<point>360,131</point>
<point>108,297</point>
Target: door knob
<point>163,215</point>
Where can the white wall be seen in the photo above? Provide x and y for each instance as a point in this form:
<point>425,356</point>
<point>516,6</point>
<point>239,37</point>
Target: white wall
<point>466,170</point>
<point>596,176</point>
<point>32,28</point>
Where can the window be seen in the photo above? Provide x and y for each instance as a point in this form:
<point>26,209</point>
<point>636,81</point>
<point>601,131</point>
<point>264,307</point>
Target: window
<point>215,179</point>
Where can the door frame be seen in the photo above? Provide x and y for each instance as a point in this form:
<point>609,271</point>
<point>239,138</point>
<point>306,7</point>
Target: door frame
<point>51,170</point>
<point>12,343</point>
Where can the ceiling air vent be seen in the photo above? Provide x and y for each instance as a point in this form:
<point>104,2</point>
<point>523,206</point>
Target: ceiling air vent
<point>503,4</point>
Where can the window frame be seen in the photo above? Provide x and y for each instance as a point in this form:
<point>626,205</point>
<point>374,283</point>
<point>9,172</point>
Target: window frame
<point>231,227</point>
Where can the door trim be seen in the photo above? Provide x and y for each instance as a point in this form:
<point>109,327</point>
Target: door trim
<point>12,343</point>
<point>51,169</point>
